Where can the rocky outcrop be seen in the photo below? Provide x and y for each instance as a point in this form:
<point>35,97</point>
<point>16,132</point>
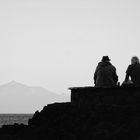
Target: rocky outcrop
<point>108,114</point>
<point>121,95</point>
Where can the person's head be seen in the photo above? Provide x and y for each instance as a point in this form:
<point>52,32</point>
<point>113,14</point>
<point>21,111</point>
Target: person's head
<point>134,60</point>
<point>105,59</point>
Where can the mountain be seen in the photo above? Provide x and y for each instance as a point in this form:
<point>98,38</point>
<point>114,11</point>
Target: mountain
<point>19,98</point>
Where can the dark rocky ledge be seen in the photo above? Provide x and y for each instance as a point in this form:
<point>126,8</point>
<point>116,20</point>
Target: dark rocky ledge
<point>92,114</point>
<point>121,95</point>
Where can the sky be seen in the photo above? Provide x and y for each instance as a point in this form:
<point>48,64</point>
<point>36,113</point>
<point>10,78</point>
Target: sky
<point>57,44</point>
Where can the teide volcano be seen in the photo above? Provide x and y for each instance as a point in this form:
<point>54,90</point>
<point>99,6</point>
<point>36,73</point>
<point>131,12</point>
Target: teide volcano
<point>19,98</point>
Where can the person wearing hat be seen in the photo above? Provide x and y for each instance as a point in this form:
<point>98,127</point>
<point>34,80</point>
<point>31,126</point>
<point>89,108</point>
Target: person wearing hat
<point>105,74</point>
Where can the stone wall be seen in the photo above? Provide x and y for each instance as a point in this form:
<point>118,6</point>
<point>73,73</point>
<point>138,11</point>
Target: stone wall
<point>105,96</point>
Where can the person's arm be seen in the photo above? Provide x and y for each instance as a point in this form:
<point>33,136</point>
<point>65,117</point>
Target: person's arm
<point>126,77</point>
<point>95,76</point>
<point>128,71</point>
<point>115,76</point>
<point>95,80</point>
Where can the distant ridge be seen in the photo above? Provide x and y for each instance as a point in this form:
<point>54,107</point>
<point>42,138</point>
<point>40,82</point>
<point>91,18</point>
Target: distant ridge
<point>16,97</point>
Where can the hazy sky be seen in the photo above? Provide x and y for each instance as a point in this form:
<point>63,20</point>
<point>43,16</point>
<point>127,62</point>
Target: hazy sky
<point>57,44</point>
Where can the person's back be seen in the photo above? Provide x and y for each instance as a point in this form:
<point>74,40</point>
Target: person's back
<point>133,71</point>
<point>105,74</point>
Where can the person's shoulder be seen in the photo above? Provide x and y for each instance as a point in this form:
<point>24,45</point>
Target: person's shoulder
<point>112,66</point>
<point>136,66</point>
<point>98,65</point>
<point>131,66</point>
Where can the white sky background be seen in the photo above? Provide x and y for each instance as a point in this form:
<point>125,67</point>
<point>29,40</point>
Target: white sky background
<point>57,44</point>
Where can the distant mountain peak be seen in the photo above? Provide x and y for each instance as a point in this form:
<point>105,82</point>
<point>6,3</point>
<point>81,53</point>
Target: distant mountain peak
<point>13,83</point>
<point>18,97</point>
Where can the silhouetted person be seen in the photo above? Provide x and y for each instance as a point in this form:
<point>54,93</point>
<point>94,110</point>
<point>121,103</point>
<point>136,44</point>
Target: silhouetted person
<point>105,74</point>
<point>133,71</point>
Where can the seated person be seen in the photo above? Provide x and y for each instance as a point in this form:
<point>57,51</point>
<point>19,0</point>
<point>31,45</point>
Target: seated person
<point>105,74</point>
<point>133,71</point>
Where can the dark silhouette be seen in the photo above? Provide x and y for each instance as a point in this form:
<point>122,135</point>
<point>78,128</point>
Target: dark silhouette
<point>105,74</point>
<point>133,72</point>
<point>93,114</point>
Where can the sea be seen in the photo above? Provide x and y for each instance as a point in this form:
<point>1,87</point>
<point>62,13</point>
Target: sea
<point>8,119</point>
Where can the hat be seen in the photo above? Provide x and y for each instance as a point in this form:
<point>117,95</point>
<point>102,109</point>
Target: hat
<point>105,58</point>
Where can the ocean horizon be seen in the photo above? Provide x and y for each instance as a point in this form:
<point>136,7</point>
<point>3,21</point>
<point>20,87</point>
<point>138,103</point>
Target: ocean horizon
<point>12,118</point>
